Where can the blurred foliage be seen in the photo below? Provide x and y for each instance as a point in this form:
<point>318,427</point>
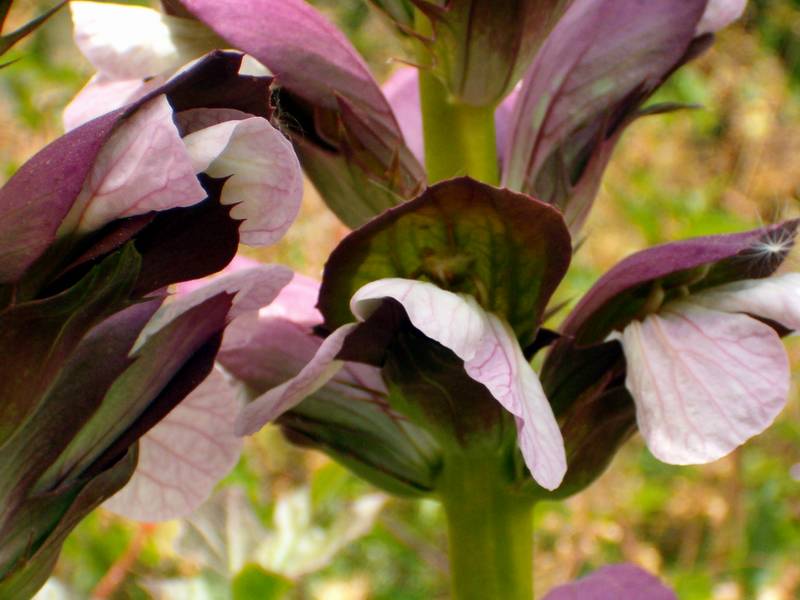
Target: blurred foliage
<point>728,531</point>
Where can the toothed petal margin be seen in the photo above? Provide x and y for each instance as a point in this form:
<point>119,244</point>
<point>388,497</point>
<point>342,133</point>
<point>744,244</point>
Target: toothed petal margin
<point>266,183</point>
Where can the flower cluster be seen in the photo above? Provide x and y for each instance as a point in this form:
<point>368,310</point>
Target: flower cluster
<point>413,354</point>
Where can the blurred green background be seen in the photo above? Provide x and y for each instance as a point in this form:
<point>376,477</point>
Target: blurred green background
<point>284,520</point>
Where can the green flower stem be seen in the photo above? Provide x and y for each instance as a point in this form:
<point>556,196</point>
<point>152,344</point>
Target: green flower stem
<point>490,531</point>
<point>459,139</point>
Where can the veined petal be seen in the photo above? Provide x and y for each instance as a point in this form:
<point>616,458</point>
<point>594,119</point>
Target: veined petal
<point>491,356</point>
<point>102,95</point>
<point>454,320</point>
<point>703,381</point>
<point>135,42</point>
<point>286,396</point>
<point>719,14</point>
<point>184,455</point>
<point>775,298</point>
<point>142,168</point>
<point>254,287</point>
<point>500,365</point>
<point>266,183</point>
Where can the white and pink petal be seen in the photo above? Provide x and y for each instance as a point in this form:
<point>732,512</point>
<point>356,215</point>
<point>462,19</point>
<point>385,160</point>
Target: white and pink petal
<point>253,288</point>
<point>135,42</point>
<point>272,404</point>
<point>500,365</point>
<point>492,356</point>
<point>102,95</point>
<point>775,298</point>
<point>703,381</point>
<point>719,14</point>
<point>183,457</point>
<point>144,167</point>
<point>455,321</point>
<point>265,184</point>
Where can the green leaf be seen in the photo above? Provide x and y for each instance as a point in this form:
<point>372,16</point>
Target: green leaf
<point>506,249</point>
<point>8,40</point>
<point>255,583</point>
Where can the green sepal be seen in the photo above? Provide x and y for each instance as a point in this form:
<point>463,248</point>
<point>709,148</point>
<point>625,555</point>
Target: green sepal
<point>371,439</point>
<point>32,540</point>
<point>507,250</point>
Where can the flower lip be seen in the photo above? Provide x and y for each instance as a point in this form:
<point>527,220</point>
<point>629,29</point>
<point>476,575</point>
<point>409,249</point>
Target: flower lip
<point>704,381</point>
<point>487,345</point>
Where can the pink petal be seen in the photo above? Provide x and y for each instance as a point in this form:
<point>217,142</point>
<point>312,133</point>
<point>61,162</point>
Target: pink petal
<point>135,42</point>
<point>102,95</point>
<point>254,288</point>
<point>265,184</point>
<point>267,349</point>
<point>239,263</point>
<point>286,396</point>
<point>491,356</point>
<point>143,167</point>
<point>453,320</point>
<point>402,92</point>
<point>703,381</point>
<point>500,365</point>
<point>775,298</point>
<point>279,341</point>
<point>614,582</point>
<point>184,456</point>
<point>719,14</point>
<point>297,302</point>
